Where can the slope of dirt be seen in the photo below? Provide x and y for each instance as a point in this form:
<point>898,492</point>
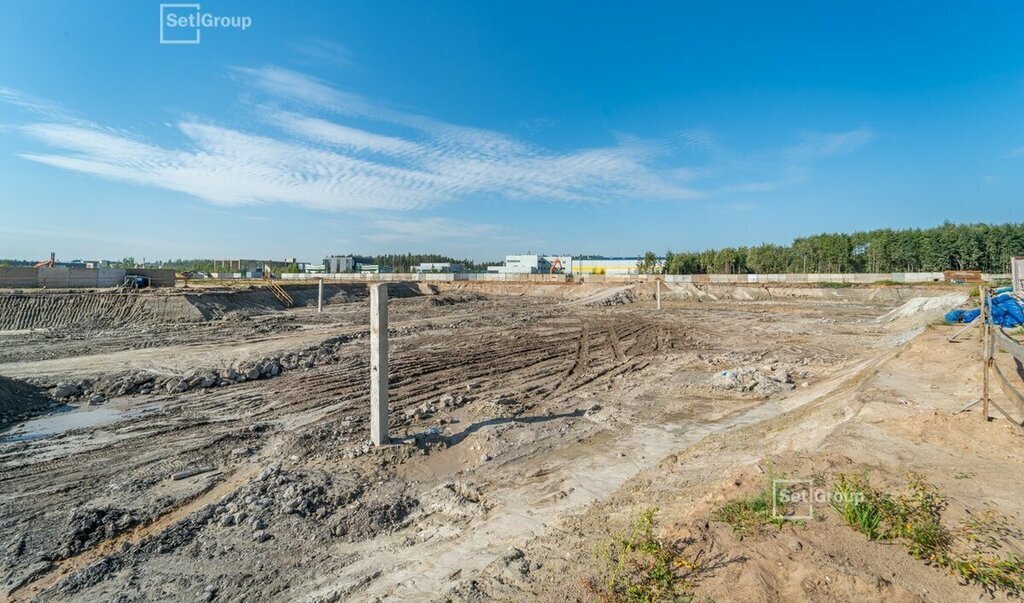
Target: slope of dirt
<point>892,418</point>
<point>99,310</point>
<point>20,400</point>
<point>91,310</point>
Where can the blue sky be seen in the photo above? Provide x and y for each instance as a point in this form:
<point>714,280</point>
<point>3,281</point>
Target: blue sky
<point>485,128</point>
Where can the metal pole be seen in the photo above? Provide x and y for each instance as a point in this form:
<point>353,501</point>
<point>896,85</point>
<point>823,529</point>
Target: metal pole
<point>320,297</point>
<point>658,292</point>
<point>379,363</point>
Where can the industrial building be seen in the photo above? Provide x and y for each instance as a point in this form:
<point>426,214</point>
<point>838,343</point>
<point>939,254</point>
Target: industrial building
<point>334,264</point>
<point>446,267</point>
<point>601,265</point>
<point>254,268</point>
<point>541,264</point>
<point>534,264</point>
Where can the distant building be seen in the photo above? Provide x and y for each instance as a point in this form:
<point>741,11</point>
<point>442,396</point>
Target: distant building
<point>339,263</point>
<point>620,265</point>
<point>253,268</point>
<point>533,264</point>
<point>345,263</point>
<point>439,267</point>
<point>372,268</point>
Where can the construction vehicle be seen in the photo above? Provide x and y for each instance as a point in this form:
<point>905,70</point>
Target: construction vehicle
<point>556,266</point>
<point>50,263</point>
<point>135,281</point>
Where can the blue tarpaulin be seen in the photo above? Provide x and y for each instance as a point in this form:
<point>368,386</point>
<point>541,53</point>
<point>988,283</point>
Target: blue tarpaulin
<point>1005,310</point>
<point>963,315</point>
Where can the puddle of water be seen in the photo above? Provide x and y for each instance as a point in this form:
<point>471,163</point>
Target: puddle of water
<point>66,418</point>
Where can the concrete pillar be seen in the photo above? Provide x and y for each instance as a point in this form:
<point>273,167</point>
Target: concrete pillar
<point>379,363</point>
<point>320,297</point>
<point>657,293</point>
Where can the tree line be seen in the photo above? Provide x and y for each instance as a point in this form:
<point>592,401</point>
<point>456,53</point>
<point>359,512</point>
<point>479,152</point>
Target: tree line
<point>405,262</point>
<point>950,246</point>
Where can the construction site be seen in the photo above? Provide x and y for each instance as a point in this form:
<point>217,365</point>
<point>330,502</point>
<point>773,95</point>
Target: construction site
<point>482,441</point>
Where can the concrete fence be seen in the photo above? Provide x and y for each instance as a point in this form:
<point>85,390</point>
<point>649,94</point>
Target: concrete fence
<point>12,278</point>
<point>62,277</point>
<point>853,278</point>
<point>388,277</point>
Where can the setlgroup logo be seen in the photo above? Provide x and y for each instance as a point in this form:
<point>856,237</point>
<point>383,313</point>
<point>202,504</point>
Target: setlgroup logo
<point>184,23</point>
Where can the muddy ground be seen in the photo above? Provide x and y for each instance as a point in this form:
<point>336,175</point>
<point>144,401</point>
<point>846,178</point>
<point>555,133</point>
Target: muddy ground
<point>213,446</point>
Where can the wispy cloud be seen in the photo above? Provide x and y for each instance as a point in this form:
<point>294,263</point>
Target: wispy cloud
<point>320,51</point>
<point>1018,152</point>
<point>330,149</point>
<point>428,229</point>
<point>818,145</point>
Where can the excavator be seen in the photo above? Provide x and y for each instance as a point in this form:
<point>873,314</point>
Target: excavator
<point>50,263</point>
<point>556,268</point>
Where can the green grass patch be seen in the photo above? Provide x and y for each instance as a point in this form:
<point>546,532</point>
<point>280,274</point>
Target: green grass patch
<point>640,567</point>
<point>831,285</point>
<point>974,550</point>
<point>751,514</point>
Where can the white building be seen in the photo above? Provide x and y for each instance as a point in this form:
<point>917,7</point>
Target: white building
<point>339,263</point>
<point>534,264</point>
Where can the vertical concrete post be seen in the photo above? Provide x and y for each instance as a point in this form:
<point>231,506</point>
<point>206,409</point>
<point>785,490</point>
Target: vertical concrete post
<point>986,351</point>
<point>379,363</point>
<point>657,293</point>
<point>320,297</point>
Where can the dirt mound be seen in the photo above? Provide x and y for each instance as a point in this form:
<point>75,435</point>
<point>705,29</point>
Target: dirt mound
<point>20,400</point>
<point>452,299</point>
<point>763,381</point>
<point>618,298</point>
<point>919,311</point>
<point>92,310</point>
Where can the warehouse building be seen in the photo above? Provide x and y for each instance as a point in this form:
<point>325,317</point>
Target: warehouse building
<point>533,264</point>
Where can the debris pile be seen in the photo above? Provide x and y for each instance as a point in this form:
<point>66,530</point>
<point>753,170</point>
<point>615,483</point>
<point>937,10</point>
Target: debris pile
<point>619,299</point>
<point>763,381</point>
<point>20,400</point>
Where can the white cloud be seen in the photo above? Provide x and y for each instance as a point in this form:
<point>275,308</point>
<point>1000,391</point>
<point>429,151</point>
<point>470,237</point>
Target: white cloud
<point>329,149</point>
<point>817,145</point>
<point>317,50</point>
<point>428,229</point>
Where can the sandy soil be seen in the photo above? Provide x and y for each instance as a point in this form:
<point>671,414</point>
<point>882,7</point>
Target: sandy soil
<point>529,424</point>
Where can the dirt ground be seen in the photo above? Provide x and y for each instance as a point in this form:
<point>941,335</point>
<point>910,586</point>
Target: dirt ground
<point>213,446</point>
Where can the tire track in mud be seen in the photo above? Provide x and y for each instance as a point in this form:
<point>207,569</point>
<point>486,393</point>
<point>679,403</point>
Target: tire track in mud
<point>69,566</point>
<point>534,359</point>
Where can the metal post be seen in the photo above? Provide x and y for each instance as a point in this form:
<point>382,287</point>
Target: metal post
<point>379,363</point>
<point>658,292</point>
<point>320,297</point>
